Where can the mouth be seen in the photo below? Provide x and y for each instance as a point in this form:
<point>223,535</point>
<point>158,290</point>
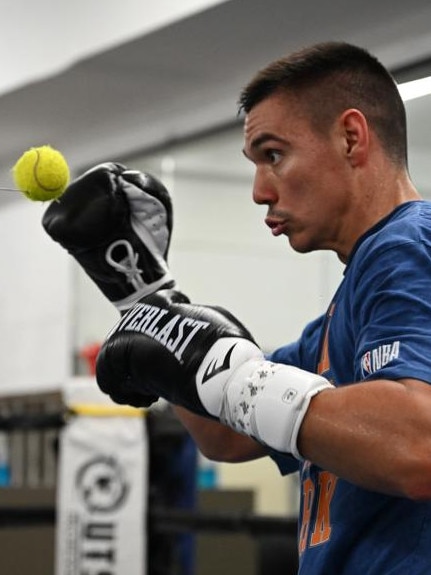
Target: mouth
<point>278,227</point>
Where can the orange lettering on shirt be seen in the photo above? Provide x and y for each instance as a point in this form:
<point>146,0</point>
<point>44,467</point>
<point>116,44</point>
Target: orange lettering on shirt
<point>322,528</point>
<point>308,496</point>
<point>324,364</point>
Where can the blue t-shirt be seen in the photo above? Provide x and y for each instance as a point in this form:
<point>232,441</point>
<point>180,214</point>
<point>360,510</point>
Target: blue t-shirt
<point>377,326</point>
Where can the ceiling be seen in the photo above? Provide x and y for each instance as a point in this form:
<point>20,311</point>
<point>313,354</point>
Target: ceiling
<point>185,78</point>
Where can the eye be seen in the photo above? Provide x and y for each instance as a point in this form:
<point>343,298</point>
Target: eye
<point>273,156</point>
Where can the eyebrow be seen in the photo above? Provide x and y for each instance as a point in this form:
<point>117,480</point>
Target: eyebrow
<point>265,137</point>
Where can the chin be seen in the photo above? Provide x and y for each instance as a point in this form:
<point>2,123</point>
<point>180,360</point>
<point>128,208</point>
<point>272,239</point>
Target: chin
<point>301,247</point>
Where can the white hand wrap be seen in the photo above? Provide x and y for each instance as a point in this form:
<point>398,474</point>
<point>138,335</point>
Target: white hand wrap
<point>268,401</point>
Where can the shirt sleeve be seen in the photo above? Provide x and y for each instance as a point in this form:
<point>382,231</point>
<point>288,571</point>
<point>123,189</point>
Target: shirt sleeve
<point>392,311</point>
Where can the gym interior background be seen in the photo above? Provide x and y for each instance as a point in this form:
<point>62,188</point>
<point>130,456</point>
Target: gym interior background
<point>155,88</point>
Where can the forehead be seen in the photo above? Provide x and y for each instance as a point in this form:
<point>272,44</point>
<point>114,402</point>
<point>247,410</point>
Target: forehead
<point>280,114</point>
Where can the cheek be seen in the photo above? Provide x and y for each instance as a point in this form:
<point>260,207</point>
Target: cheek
<point>300,186</point>
<point>308,179</point>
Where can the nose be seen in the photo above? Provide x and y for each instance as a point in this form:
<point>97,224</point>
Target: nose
<point>264,192</point>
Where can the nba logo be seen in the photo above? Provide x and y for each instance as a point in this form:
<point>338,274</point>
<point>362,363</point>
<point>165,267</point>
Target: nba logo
<point>366,363</point>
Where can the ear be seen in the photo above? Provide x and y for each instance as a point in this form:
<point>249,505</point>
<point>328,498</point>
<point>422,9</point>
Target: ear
<point>356,136</point>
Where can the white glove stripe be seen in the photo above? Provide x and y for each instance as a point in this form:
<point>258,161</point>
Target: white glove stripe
<point>217,367</point>
<point>148,213</point>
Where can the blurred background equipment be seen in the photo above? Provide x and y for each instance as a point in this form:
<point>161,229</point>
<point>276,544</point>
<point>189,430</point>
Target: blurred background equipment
<point>176,527</point>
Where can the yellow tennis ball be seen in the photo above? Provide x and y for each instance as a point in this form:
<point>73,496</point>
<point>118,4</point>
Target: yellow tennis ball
<point>41,174</point>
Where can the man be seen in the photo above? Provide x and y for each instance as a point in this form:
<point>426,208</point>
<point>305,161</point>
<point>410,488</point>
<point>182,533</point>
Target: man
<point>350,402</point>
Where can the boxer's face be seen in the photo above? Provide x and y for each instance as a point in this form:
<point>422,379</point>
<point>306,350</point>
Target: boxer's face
<point>302,175</point>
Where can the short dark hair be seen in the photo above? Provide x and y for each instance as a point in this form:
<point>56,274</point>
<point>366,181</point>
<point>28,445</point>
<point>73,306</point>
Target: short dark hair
<point>331,77</point>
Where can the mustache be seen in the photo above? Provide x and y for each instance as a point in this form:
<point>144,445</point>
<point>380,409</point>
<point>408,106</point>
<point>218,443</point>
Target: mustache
<point>277,214</point>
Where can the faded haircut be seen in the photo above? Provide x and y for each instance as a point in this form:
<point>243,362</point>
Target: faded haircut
<point>329,78</point>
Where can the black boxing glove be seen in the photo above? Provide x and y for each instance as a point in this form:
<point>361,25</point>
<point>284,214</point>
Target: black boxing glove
<point>203,358</point>
<point>117,224</point>
<point>159,345</point>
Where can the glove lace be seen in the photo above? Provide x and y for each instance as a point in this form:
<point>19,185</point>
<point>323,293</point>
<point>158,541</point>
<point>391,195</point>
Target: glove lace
<point>128,265</point>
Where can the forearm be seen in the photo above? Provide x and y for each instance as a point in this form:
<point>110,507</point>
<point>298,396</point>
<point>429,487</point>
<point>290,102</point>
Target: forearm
<point>217,441</point>
<point>375,434</point>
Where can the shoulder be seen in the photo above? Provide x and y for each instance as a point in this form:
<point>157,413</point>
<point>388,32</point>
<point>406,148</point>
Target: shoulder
<point>409,222</point>
<point>396,239</point>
